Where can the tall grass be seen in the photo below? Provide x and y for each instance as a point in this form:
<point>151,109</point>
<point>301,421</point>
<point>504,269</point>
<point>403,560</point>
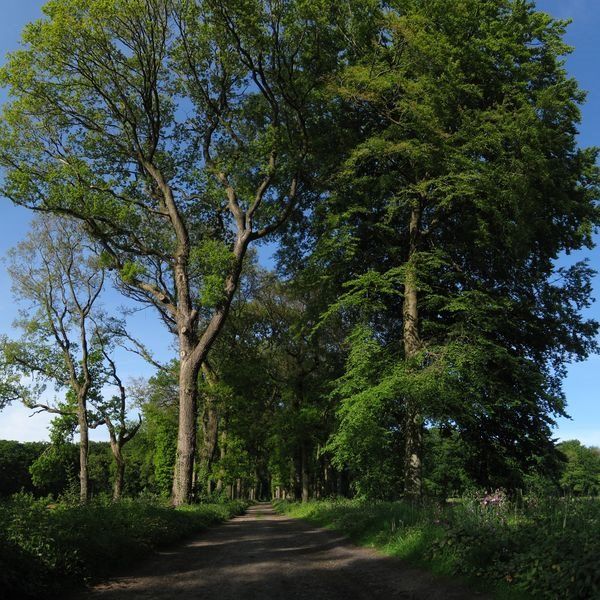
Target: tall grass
<point>46,548</point>
<point>541,549</point>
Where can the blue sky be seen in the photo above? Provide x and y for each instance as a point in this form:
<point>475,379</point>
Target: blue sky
<point>583,382</point>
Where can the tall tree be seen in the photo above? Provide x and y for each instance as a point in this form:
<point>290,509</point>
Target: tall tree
<point>55,274</point>
<point>449,216</point>
<point>179,132</point>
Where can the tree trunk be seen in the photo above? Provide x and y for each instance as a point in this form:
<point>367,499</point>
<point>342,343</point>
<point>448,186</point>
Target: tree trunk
<point>413,447</point>
<point>210,424</point>
<point>186,436</point>
<point>84,492</point>
<point>222,451</point>
<point>304,474</point>
<point>120,471</point>
<point>193,351</point>
<point>413,424</point>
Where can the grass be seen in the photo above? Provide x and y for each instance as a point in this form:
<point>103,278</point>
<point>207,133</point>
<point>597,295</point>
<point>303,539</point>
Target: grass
<point>546,549</point>
<point>46,548</point>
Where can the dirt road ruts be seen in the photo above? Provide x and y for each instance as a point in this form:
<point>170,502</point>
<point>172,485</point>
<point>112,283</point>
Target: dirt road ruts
<point>262,555</point>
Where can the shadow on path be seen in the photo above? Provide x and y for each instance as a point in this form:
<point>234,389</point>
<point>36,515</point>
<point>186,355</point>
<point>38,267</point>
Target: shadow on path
<point>262,555</point>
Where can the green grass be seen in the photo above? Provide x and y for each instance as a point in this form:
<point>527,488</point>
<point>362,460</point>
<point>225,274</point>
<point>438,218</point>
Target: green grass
<point>544,550</point>
<point>47,547</point>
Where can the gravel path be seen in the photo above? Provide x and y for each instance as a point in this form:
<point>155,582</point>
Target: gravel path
<point>262,555</point>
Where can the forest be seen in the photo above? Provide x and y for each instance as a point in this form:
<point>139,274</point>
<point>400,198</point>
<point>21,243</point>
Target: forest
<point>355,220</point>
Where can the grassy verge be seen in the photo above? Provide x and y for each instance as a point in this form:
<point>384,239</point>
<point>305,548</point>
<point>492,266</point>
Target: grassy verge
<point>47,548</point>
<point>545,550</point>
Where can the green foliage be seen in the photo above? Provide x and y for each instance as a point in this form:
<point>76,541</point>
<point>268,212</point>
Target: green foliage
<point>47,547</point>
<point>165,440</point>
<point>213,259</point>
<point>465,184</point>
<point>51,470</point>
<point>55,469</point>
<point>236,464</point>
<point>537,550</point>
<point>581,472</point>
<point>201,108</point>
<point>16,459</point>
<point>11,388</point>
<point>448,461</point>
<point>130,271</point>
<point>152,452</point>
<point>365,438</point>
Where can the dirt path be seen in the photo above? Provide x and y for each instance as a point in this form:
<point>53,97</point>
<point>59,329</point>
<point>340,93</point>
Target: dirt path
<point>261,556</point>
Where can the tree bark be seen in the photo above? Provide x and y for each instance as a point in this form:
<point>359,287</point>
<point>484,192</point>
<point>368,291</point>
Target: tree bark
<point>186,438</point>
<point>304,474</point>
<point>222,451</point>
<point>413,423</point>
<point>84,493</point>
<point>120,471</point>
<point>210,424</point>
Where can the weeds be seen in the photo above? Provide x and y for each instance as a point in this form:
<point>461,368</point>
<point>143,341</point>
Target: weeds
<point>46,547</point>
<point>545,549</point>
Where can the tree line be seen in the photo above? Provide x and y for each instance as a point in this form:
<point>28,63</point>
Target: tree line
<point>414,163</point>
<point>44,469</point>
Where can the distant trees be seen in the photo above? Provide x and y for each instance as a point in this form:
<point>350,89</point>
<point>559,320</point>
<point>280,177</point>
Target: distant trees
<point>581,472</point>
<point>273,413</point>
<point>15,460</point>
<point>44,469</point>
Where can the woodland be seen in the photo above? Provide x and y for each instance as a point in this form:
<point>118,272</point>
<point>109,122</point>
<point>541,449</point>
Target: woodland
<point>413,171</point>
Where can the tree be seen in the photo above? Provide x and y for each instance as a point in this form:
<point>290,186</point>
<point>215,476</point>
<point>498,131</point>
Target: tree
<point>15,460</point>
<point>55,273</point>
<point>114,414</point>
<point>179,132</point>
<point>157,399</point>
<point>10,386</point>
<point>274,411</point>
<point>581,472</point>
<point>447,218</point>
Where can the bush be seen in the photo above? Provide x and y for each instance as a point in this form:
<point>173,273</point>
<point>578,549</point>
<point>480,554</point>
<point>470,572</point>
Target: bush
<point>541,549</point>
<point>46,547</point>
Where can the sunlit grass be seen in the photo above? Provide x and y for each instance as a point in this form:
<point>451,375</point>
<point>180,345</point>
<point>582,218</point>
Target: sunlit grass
<point>546,549</point>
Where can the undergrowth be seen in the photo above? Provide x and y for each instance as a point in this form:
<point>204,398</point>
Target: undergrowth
<point>47,547</point>
<point>544,549</point>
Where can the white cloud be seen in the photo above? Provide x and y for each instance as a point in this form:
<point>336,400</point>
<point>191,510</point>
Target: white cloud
<point>20,424</point>
<point>16,423</point>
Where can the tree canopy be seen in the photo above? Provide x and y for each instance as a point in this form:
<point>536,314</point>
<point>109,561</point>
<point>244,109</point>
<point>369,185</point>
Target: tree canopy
<point>416,165</point>
<point>178,132</point>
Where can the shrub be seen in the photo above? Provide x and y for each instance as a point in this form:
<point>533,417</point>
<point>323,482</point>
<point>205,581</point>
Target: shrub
<point>541,549</point>
<point>49,546</point>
